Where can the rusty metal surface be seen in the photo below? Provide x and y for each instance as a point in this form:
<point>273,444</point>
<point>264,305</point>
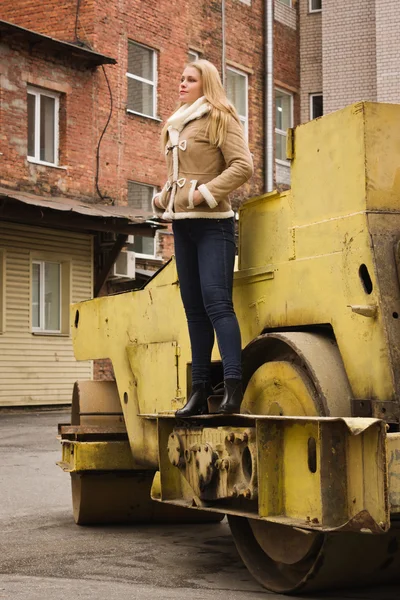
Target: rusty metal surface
<point>99,456</point>
<point>63,204</point>
<point>96,403</point>
<point>216,463</point>
<point>334,561</point>
<point>385,235</point>
<point>355,425</point>
<point>93,432</point>
<point>258,471</point>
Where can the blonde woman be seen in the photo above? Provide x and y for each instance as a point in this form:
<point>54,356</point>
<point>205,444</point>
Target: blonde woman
<point>207,158</point>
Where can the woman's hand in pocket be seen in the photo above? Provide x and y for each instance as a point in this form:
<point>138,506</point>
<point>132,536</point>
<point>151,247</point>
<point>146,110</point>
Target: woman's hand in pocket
<point>197,198</point>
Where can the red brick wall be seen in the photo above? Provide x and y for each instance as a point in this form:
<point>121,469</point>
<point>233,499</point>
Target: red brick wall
<point>55,18</point>
<point>171,33</point>
<point>103,370</point>
<point>165,243</point>
<point>76,84</point>
<point>245,50</point>
<point>130,147</point>
<point>287,63</point>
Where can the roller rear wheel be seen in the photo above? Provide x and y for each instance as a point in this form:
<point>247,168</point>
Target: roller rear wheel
<point>333,560</point>
<point>301,374</point>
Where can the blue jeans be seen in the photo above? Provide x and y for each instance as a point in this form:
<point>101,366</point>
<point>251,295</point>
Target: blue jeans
<point>205,256</point>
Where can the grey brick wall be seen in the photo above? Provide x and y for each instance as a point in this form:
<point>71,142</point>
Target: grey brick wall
<point>387,50</point>
<point>310,57</point>
<point>348,52</point>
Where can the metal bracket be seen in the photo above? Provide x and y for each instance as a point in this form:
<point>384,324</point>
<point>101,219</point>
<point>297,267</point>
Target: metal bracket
<point>317,473</point>
<point>388,411</point>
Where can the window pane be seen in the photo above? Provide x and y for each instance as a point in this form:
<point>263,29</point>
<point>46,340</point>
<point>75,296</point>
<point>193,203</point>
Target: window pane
<point>288,2</point>
<point>316,5</point>
<point>35,295</point>
<point>143,245</point>
<point>47,110</point>
<point>280,146</point>
<point>283,110</point>
<point>236,91</point>
<point>316,106</point>
<point>140,196</point>
<point>140,97</point>
<point>140,61</point>
<point>31,124</point>
<point>52,297</point>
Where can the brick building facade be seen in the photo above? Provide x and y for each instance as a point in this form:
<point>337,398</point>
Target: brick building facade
<point>166,32</point>
<point>109,116</point>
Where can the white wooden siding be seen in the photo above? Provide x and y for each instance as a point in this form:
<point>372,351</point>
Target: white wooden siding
<point>39,369</point>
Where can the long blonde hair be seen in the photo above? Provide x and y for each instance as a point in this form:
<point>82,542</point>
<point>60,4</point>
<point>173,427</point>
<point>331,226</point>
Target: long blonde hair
<point>221,108</point>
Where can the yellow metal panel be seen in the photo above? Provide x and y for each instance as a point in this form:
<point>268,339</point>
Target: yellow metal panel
<point>96,456</point>
<point>270,449</point>
<point>382,134</point>
<point>328,173</point>
<point>265,226</point>
<point>161,357</point>
<point>323,220</point>
<point>302,488</point>
<point>107,326</point>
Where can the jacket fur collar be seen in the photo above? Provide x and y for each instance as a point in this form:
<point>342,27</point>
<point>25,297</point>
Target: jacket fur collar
<point>187,113</point>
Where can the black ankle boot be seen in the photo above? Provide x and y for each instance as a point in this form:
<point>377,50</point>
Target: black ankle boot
<point>197,403</point>
<point>233,397</point>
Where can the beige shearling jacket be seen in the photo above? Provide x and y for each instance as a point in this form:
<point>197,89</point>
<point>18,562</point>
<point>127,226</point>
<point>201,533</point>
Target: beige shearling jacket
<point>195,164</point>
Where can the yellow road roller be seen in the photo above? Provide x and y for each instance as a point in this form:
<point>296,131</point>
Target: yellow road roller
<point>308,473</point>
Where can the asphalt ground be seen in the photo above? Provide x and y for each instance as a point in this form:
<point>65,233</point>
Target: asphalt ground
<point>45,556</point>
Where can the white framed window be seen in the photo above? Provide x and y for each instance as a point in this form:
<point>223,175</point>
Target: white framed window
<point>315,6</point>
<point>237,86</point>
<point>43,126</point>
<point>192,56</point>
<point>287,2</point>
<point>283,121</point>
<point>46,296</point>
<point>316,106</point>
<point>142,80</point>
<point>139,197</point>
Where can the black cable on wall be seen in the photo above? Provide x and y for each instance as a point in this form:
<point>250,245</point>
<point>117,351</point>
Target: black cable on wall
<point>100,139</point>
<point>88,45</point>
